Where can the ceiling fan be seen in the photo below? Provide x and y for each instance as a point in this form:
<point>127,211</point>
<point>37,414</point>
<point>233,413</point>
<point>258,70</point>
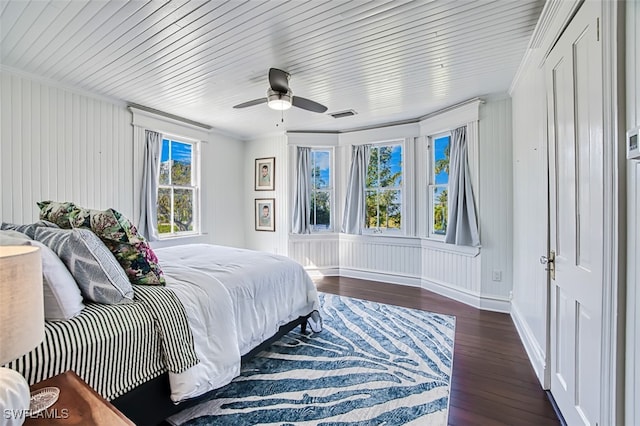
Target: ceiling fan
<point>280,96</point>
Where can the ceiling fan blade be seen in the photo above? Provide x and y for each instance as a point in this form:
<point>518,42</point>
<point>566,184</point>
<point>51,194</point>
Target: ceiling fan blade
<point>308,104</point>
<point>251,103</point>
<point>279,80</point>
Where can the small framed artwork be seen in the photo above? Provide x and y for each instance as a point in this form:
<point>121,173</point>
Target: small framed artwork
<point>265,214</point>
<point>265,174</point>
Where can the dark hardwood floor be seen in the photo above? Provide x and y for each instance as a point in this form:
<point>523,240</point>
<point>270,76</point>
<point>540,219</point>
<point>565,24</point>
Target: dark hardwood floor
<point>493,382</point>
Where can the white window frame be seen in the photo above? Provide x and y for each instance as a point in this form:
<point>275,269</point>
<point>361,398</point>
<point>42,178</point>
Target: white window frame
<point>401,188</point>
<point>196,186</point>
<point>431,185</point>
<point>330,190</point>
<point>466,114</point>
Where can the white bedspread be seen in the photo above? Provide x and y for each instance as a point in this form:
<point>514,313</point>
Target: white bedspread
<point>234,300</point>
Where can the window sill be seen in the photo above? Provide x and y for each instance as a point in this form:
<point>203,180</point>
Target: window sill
<point>173,240</point>
<point>328,235</point>
<point>396,240</point>
<point>383,239</point>
<point>440,245</point>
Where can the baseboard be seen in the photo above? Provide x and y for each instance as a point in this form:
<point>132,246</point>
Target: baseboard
<point>486,303</point>
<point>315,272</point>
<point>384,277</point>
<point>535,353</point>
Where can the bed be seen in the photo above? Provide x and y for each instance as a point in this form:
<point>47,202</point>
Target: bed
<point>219,304</point>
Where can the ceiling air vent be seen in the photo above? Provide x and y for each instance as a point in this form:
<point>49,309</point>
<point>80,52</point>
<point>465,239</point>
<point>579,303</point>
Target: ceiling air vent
<point>342,114</point>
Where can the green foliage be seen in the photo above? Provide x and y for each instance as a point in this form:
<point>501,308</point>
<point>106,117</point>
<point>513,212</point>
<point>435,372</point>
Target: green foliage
<point>383,206</point>
<point>320,209</point>
<point>440,213</point>
<point>181,173</point>
<point>320,201</point>
<point>182,207</point>
<point>443,163</point>
<point>440,201</point>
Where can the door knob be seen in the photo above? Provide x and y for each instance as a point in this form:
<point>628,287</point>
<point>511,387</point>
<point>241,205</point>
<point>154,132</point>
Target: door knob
<point>551,261</point>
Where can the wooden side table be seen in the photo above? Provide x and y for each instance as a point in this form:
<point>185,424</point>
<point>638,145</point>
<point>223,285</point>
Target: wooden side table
<point>77,404</point>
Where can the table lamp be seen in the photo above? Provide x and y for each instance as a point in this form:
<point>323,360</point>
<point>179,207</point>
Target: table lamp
<point>21,324</point>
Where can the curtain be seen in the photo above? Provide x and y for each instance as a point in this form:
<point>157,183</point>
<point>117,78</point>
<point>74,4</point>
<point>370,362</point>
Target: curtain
<point>147,225</point>
<point>302,195</point>
<point>462,228</point>
<point>355,204</point>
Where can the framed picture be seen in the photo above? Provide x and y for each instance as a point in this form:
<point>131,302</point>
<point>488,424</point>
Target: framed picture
<point>265,174</point>
<point>265,214</point>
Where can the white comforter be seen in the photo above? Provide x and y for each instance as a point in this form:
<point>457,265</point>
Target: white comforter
<point>234,300</point>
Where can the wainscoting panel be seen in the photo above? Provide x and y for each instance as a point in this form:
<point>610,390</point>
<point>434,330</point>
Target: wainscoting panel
<point>387,255</point>
<point>56,144</point>
<point>316,253</point>
<point>454,270</point>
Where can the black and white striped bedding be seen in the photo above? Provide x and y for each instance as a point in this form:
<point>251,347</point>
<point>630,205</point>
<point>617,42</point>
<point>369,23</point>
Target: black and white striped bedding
<point>115,348</point>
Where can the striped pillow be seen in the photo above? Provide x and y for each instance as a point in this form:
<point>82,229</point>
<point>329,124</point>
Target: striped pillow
<point>98,274</point>
<point>30,229</point>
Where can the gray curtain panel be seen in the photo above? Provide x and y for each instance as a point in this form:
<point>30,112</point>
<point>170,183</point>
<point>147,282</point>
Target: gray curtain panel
<point>302,195</point>
<point>147,225</point>
<point>462,228</point>
<point>355,204</point>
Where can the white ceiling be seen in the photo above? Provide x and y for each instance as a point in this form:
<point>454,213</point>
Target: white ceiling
<point>388,60</point>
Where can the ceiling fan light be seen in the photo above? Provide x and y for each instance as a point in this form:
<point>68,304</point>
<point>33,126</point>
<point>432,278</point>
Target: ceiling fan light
<point>279,101</point>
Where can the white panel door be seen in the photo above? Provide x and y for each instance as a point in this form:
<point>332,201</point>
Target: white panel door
<point>574,80</point>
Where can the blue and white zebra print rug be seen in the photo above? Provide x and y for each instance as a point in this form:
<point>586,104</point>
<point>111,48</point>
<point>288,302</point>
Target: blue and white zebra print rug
<point>373,364</point>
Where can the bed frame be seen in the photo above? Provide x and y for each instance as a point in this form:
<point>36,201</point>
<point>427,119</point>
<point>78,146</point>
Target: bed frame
<point>149,403</point>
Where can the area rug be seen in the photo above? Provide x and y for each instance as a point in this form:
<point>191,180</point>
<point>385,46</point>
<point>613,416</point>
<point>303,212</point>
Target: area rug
<point>371,364</point>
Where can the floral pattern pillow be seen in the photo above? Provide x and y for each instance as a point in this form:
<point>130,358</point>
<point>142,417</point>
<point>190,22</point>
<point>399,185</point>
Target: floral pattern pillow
<point>123,240</point>
<point>58,213</point>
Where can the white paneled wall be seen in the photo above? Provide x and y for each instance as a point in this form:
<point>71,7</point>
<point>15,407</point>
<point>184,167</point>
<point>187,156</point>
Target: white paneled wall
<point>388,258</point>
<point>496,197</point>
<point>454,274</point>
<point>632,390</point>
<point>269,146</point>
<point>465,274</point>
<point>530,203</point>
<point>316,253</point>
<point>59,145</point>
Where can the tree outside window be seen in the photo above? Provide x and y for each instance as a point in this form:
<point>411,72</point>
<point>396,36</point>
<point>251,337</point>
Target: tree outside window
<point>177,188</point>
<point>384,188</point>
<point>321,191</point>
<point>439,183</point>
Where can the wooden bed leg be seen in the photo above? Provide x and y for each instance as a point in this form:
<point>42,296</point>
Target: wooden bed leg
<point>303,326</point>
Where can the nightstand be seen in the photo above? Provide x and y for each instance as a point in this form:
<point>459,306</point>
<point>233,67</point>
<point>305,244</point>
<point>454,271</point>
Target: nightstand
<point>77,404</point>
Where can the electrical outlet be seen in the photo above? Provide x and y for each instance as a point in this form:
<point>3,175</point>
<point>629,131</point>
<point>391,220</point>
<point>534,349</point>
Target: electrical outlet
<point>497,275</point>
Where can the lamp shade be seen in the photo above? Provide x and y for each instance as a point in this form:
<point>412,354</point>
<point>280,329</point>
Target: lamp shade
<point>21,301</point>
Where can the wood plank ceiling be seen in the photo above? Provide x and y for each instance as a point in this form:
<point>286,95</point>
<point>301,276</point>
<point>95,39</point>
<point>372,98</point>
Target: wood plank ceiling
<point>388,60</point>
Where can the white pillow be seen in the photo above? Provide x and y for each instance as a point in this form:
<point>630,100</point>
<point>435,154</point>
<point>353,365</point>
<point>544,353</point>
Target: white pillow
<point>62,297</point>
<point>13,238</point>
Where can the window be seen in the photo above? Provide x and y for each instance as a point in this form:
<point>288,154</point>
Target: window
<point>439,183</point>
<point>384,188</point>
<point>321,190</point>
<point>178,191</point>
